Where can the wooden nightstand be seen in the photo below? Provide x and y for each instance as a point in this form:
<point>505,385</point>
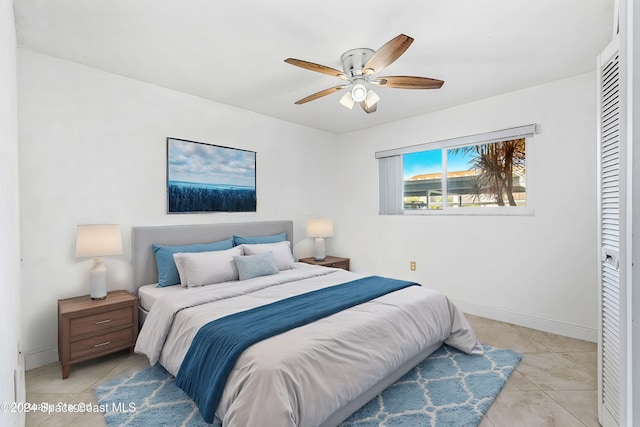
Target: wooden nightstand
<point>92,328</point>
<point>329,261</point>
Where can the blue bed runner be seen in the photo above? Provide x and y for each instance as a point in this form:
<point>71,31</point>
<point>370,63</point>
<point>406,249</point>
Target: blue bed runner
<point>218,344</point>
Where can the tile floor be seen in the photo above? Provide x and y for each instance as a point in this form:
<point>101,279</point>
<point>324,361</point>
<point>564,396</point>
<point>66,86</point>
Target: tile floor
<point>554,384</point>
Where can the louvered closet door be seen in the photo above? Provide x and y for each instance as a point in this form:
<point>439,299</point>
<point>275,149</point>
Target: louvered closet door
<point>611,349</point>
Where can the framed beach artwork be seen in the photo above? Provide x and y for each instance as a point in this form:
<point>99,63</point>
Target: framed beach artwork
<point>209,178</point>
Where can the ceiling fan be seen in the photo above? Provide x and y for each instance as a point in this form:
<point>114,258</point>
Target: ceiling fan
<point>358,67</point>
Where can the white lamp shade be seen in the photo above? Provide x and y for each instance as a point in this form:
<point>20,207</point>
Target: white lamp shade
<point>347,100</point>
<point>98,240</point>
<point>372,99</point>
<point>320,227</point>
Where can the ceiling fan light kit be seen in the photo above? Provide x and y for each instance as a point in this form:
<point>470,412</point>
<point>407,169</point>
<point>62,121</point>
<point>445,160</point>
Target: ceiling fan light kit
<point>358,67</point>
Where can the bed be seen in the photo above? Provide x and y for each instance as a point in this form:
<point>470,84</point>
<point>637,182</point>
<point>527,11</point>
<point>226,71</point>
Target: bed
<point>316,374</point>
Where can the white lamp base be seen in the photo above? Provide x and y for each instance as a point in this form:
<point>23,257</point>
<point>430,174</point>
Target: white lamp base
<point>320,254</point>
<point>98,280</point>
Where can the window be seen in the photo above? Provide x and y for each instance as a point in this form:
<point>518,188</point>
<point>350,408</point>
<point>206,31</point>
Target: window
<point>483,174</point>
<point>477,176</point>
<point>422,179</point>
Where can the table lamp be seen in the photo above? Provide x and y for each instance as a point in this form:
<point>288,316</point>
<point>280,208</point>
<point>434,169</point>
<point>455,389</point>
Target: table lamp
<point>320,228</point>
<point>97,241</point>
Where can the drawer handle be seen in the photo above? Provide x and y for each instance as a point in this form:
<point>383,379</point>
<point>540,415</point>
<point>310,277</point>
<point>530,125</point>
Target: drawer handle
<point>103,321</point>
<point>102,344</point>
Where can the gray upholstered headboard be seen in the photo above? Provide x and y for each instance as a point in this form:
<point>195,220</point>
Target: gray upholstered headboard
<point>144,261</point>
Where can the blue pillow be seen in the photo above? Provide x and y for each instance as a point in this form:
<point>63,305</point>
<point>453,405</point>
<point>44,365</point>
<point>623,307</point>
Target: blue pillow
<point>250,266</point>
<point>257,240</point>
<point>167,270</point>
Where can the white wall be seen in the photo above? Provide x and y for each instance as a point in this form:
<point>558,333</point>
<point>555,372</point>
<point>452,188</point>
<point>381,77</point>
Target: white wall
<point>9,221</point>
<point>537,271</point>
<point>93,150</point>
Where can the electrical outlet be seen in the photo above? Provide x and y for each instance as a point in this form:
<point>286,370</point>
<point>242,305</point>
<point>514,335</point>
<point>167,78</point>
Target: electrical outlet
<point>412,266</point>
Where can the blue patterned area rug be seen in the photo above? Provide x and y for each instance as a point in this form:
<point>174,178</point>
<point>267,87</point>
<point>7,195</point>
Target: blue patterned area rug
<point>447,389</point>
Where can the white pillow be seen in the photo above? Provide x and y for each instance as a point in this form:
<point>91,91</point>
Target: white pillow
<point>207,268</point>
<point>281,253</point>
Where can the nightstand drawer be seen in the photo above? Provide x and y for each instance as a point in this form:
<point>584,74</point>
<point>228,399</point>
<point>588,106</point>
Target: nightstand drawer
<point>342,264</point>
<point>95,323</point>
<point>101,343</point>
<point>329,261</point>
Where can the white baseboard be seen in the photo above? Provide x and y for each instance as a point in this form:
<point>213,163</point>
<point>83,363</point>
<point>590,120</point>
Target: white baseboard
<point>36,358</point>
<point>529,321</point>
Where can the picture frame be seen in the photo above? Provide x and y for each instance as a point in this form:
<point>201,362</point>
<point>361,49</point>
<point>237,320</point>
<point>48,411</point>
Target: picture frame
<point>205,178</point>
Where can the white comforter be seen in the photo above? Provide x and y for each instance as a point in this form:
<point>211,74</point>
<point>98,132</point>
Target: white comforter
<point>301,377</point>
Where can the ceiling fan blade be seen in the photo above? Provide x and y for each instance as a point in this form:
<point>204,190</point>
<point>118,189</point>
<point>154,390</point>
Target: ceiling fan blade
<point>369,110</point>
<point>387,54</point>
<point>316,67</point>
<point>408,82</point>
<point>320,94</point>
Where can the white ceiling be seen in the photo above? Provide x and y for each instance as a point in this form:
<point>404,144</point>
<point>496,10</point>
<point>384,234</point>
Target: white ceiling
<point>233,51</point>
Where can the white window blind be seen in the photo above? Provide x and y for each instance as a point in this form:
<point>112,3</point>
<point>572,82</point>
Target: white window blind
<point>391,185</point>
